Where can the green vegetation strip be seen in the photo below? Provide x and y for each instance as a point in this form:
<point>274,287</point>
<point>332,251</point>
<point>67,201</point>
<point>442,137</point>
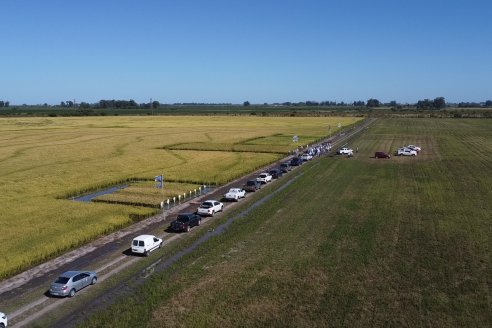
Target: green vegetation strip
<point>354,242</point>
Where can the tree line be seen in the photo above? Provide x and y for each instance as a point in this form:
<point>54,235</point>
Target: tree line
<point>426,104</point>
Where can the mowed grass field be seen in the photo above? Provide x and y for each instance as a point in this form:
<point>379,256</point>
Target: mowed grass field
<point>354,242</point>
<point>45,161</point>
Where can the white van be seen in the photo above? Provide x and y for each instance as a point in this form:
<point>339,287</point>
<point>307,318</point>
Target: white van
<point>3,320</point>
<point>144,244</point>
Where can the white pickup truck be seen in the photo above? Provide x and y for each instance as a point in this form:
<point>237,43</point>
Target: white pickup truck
<point>264,177</point>
<point>346,151</point>
<point>235,194</point>
<point>406,152</point>
<point>413,147</point>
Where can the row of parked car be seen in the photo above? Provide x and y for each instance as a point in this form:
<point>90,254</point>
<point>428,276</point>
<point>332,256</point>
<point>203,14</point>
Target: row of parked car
<point>410,150</point>
<point>70,282</point>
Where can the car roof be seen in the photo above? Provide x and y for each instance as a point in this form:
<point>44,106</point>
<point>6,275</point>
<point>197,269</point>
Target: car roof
<point>144,237</point>
<point>70,274</point>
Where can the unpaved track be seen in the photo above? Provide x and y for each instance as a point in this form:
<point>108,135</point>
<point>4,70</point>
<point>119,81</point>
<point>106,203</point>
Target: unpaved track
<point>110,251</point>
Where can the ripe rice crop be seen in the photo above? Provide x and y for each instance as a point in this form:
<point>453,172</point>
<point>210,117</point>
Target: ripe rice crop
<point>145,193</point>
<point>44,161</point>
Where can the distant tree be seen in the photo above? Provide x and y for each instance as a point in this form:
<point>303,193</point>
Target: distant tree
<point>359,103</point>
<point>424,104</point>
<point>439,103</point>
<point>7,104</point>
<point>70,103</point>
<point>2,103</point>
<point>488,103</point>
<point>133,103</point>
<point>155,104</point>
<point>393,103</point>
<point>62,104</point>
<point>246,103</point>
<point>373,103</point>
<point>84,105</point>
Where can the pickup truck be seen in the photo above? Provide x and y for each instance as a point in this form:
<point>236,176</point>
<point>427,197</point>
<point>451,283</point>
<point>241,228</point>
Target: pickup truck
<point>264,177</point>
<point>406,152</point>
<point>345,150</point>
<point>235,194</point>
<point>413,147</point>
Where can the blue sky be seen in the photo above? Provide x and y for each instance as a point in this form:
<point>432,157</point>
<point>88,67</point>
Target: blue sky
<point>233,51</point>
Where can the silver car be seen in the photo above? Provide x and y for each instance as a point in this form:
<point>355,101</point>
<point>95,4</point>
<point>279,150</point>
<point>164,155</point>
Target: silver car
<point>70,282</point>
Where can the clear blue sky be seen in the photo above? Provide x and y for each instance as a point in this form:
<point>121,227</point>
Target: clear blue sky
<point>233,51</point>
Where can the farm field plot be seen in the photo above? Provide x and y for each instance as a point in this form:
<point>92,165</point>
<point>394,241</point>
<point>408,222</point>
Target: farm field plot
<point>354,242</point>
<point>45,161</point>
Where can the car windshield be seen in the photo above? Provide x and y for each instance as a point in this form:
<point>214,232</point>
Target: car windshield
<point>234,190</point>
<point>206,205</point>
<point>250,183</point>
<point>183,219</point>
<point>263,175</point>
<point>62,280</point>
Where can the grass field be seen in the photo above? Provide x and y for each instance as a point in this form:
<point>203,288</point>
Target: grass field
<point>45,161</point>
<point>355,242</point>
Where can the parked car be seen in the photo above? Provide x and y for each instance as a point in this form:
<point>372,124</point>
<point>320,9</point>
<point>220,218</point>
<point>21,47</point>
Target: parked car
<point>285,167</point>
<point>345,150</point>
<point>3,320</point>
<point>264,178</point>
<point>70,282</point>
<point>185,221</point>
<point>235,194</point>
<point>381,154</point>
<point>413,147</point>
<point>252,185</point>
<point>306,157</point>
<point>210,207</point>
<point>276,173</point>
<point>296,161</point>
<point>144,244</point>
<point>406,152</point>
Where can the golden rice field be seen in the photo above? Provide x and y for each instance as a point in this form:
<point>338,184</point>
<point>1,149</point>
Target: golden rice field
<point>44,161</point>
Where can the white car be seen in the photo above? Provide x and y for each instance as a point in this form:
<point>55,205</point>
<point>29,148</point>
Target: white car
<point>144,244</point>
<point>346,151</point>
<point>413,147</point>
<point>406,152</point>
<point>210,207</point>
<point>264,177</point>
<point>235,194</point>
<point>306,157</point>
<point>3,320</point>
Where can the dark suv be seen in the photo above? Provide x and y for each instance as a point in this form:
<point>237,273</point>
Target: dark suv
<point>186,221</point>
<point>285,167</point>
<point>276,173</point>
<point>252,185</point>
<point>296,161</point>
<point>381,154</point>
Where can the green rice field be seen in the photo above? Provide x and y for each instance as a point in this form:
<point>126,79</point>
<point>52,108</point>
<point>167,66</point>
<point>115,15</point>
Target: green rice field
<point>354,242</point>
